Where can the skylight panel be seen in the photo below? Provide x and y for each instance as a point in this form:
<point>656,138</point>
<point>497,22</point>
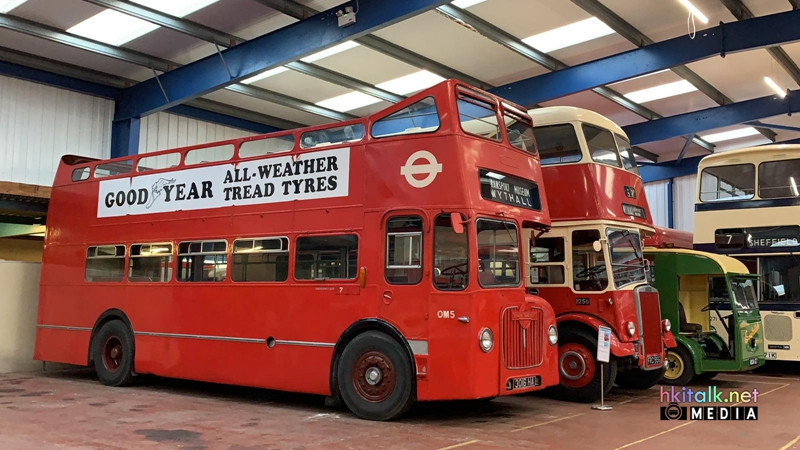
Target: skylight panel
<point>414,82</point>
<point>347,45</point>
<point>348,102</point>
<point>569,35</point>
<point>728,135</point>
<point>8,5</point>
<point>116,28</point>
<point>464,4</point>
<point>265,74</point>
<point>661,91</point>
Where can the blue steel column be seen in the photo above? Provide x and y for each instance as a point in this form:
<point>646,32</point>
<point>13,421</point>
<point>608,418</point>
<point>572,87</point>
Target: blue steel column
<point>670,204</point>
<point>125,137</point>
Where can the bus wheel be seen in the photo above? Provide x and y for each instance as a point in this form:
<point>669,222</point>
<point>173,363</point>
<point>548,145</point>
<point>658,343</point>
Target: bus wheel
<point>112,352</point>
<point>579,372</point>
<point>375,378</point>
<point>705,376</point>
<point>680,367</point>
<point>639,379</point>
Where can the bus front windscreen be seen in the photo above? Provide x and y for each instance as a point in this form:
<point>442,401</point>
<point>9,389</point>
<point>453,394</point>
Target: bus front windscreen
<point>744,293</point>
<point>625,250</point>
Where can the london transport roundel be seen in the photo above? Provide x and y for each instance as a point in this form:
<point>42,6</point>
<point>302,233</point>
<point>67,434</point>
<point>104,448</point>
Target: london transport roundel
<point>430,168</point>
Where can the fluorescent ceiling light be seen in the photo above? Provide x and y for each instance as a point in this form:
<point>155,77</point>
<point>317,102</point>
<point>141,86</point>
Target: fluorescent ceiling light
<point>116,28</point>
<point>404,85</point>
<point>568,35</point>
<point>8,5</point>
<point>661,91</point>
<point>309,59</point>
<point>693,9</point>
<point>728,135</point>
<point>781,93</point>
<point>464,4</point>
<point>414,82</point>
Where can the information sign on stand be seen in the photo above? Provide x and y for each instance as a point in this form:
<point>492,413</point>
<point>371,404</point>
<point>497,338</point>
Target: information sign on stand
<point>603,355</point>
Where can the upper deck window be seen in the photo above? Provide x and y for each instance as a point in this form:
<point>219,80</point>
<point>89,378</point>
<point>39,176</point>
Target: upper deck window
<point>419,117</point>
<point>222,152</point>
<point>158,162</point>
<point>779,178</point>
<point>557,144</point>
<point>81,173</point>
<point>332,136</point>
<point>733,182</point>
<point>601,145</point>
<point>478,117</point>
<point>267,146</point>
<point>519,129</point>
<point>626,153</point>
<point>113,168</point>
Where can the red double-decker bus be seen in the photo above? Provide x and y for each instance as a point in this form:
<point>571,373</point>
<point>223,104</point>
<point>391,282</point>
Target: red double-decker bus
<point>589,266</point>
<point>376,261</point>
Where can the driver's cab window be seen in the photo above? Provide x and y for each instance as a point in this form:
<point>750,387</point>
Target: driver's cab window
<point>717,290</point>
<point>588,266</point>
<point>450,255</point>
<point>547,261</point>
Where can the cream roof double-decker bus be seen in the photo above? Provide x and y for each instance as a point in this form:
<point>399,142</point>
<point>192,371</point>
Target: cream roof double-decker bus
<point>748,206</point>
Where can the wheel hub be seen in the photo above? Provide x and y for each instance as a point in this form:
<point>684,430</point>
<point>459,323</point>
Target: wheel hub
<point>112,354</point>
<point>576,365</point>
<point>374,376</point>
<point>675,366</point>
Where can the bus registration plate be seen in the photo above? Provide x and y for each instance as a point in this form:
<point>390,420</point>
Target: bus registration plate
<point>771,355</point>
<point>522,383</point>
<point>753,361</point>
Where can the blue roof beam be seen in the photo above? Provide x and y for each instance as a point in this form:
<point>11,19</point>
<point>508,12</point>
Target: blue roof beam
<point>277,48</point>
<point>738,36</point>
<point>707,119</point>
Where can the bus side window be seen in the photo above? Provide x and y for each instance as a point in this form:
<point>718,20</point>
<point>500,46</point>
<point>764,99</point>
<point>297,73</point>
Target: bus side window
<point>105,263</point>
<point>588,267</point>
<point>450,256</point>
<point>326,257</point>
<point>404,250</point>
<point>202,261</point>
<point>150,262</point>
<point>261,259</point>
<point>547,261</point>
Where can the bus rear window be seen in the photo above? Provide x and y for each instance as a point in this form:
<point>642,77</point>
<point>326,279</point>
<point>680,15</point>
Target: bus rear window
<point>268,146</point>
<point>733,182</point>
<point>113,168</point>
<point>332,136</point>
<point>202,261</point>
<point>557,144</point>
<point>209,154</point>
<point>519,129</point>
<point>105,263</point>
<point>779,178</point>
<point>478,117</point>
<point>262,259</point>
<point>419,117</point>
<point>326,257</point>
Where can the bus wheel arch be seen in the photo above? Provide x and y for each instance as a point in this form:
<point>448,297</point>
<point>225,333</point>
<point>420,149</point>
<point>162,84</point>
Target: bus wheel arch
<point>391,352</point>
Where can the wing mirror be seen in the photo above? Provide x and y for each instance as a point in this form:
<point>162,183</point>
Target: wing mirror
<point>456,222</point>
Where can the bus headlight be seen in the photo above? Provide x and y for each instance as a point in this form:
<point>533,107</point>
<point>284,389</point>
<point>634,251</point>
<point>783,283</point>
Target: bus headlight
<point>486,340</point>
<point>631,328</point>
<point>552,335</point>
<point>667,325</point>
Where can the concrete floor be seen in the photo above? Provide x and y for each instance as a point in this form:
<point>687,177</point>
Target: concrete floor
<point>72,409</point>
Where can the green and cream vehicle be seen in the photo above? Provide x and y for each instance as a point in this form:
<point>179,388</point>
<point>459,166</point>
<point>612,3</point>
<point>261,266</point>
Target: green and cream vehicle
<point>710,301</point>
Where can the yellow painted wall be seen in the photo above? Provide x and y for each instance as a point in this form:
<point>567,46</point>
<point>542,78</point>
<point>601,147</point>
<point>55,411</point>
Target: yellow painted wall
<point>29,250</point>
<point>18,307</point>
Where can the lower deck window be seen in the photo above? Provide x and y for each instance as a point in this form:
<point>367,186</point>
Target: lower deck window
<point>326,257</point>
<point>150,262</point>
<point>105,263</point>
<point>202,261</point>
<point>263,259</point>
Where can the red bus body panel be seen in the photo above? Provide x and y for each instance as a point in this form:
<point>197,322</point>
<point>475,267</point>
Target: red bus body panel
<point>669,238</point>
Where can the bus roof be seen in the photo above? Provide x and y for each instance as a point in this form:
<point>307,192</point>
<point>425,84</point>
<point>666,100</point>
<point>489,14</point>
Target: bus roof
<point>563,114</point>
<point>749,154</point>
<point>726,263</point>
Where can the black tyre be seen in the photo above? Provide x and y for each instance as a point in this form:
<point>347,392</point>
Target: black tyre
<point>705,376</point>
<point>680,367</point>
<point>579,372</point>
<point>639,379</point>
<point>375,378</point>
<point>112,353</point>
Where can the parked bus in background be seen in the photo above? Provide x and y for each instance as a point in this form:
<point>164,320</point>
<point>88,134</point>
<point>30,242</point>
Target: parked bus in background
<point>375,260</point>
<point>690,285</point>
<point>589,265</point>
<point>748,207</point>
<point>669,238</point>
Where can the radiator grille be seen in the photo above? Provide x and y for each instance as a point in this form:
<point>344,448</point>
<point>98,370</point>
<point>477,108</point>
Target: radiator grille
<point>523,338</point>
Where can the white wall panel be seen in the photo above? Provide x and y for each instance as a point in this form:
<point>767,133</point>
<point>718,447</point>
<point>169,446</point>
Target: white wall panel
<point>658,201</point>
<point>163,131</point>
<point>39,124</point>
<point>683,190</point>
